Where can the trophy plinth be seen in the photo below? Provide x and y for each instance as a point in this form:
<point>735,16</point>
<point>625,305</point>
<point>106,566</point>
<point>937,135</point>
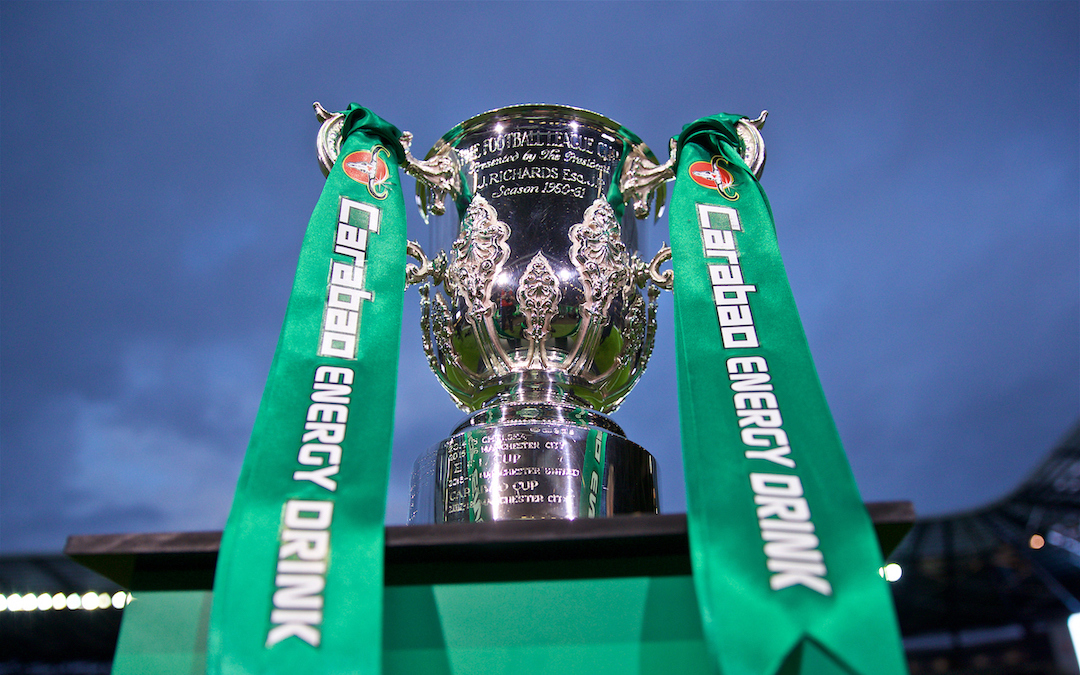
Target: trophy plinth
<point>533,459</point>
<point>539,320</point>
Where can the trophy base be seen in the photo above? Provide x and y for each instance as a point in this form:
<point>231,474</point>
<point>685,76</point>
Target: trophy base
<point>527,461</point>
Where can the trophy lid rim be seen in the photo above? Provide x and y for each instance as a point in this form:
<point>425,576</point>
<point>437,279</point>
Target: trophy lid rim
<point>538,109</point>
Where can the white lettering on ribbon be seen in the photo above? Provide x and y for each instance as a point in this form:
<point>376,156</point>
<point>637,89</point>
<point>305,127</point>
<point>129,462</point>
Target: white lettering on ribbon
<point>792,553</point>
<point>345,288</point>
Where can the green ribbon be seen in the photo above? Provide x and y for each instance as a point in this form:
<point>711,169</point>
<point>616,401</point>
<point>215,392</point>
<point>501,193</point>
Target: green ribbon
<point>784,554</point>
<point>299,582</point>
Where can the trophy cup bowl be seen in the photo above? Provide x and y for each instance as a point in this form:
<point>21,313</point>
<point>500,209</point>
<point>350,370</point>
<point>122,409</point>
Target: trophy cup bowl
<point>539,320</point>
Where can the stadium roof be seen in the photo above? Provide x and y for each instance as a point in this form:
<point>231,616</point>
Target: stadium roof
<point>1015,561</point>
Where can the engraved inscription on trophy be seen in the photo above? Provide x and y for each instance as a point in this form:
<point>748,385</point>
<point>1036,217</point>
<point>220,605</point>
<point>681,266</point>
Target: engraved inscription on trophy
<point>501,474</point>
<point>539,160</point>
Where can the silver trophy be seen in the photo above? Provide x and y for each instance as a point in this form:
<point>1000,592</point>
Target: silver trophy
<point>541,318</point>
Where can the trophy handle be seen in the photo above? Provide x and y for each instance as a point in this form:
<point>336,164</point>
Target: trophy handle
<point>642,176</point>
<point>328,140</point>
<point>753,152</point>
<point>429,268</point>
<point>644,273</point>
<point>440,173</point>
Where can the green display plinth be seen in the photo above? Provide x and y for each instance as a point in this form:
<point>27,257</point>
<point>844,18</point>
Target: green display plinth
<point>588,596</point>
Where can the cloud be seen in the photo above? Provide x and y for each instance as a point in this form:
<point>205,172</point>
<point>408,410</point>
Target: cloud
<point>162,451</point>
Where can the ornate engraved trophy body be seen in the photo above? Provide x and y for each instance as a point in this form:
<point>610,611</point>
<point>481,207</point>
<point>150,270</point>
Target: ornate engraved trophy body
<point>541,318</point>
<point>542,325</point>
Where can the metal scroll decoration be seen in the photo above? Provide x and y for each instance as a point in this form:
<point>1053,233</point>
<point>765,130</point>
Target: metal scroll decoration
<point>538,297</point>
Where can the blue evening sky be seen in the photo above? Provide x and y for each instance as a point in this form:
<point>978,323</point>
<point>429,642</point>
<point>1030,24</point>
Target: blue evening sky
<point>157,171</point>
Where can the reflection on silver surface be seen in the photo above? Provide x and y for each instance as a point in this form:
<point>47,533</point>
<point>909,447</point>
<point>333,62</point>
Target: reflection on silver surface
<point>540,181</point>
<point>542,320</point>
<point>532,461</point>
